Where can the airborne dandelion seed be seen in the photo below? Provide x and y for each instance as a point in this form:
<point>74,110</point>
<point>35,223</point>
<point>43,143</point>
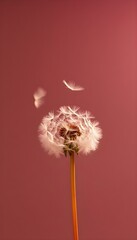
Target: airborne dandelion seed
<point>39,97</point>
<point>72,86</point>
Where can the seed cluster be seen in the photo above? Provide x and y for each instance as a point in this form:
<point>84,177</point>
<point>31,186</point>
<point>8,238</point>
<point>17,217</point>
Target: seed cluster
<point>70,135</point>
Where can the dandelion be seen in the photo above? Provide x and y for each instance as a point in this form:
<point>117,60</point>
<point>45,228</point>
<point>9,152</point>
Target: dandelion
<point>70,132</point>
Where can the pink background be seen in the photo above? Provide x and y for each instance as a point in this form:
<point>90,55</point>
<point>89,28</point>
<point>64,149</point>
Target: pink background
<point>93,43</point>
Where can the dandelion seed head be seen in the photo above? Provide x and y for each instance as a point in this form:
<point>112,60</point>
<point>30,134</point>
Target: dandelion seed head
<point>69,131</point>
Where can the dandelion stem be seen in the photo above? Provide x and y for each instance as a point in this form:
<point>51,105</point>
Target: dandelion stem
<point>73,196</point>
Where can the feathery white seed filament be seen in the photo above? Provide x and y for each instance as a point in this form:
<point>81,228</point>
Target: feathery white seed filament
<point>39,97</point>
<point>72,86</point>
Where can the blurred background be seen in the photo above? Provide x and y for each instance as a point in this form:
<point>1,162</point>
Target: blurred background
<point>92,43</point>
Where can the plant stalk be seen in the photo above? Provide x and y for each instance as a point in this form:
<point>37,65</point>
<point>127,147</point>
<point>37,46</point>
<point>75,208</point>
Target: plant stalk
<point>73,196</point>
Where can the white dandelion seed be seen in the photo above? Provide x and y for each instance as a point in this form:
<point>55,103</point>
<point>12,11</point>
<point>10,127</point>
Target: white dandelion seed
<point>39,97</point>
<point>72,86</point>
<point>69,131</point>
